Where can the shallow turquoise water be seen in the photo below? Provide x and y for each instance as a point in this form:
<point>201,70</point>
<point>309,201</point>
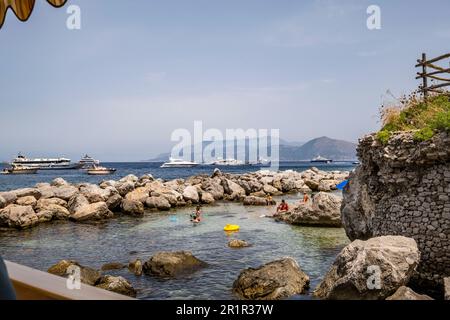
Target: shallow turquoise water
<point>124,238</point>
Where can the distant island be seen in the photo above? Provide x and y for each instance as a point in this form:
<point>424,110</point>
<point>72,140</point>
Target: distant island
<point>337,150</point>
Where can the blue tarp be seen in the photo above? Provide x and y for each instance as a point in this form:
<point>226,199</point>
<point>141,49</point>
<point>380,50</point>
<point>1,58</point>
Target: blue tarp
<point>341,185</point>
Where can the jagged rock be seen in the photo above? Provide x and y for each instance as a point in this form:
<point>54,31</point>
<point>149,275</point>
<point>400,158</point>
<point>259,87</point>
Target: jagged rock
<point>77,202</point>
<point>216,173</point>
<point>53,211</point>
<point>136,267</point>
<point>132,207</point>
<point>159,203</point>
<point>19,217</point>
<point>116,284</point>
<point>139,194</point>
<point>59,182</point>
<point>322,211</point>
<point>88,275</point>
<point>327,185</point>
<point>354,274</point>
<point>271,190</point>
<point>65,192</point>
<point>25,192</point>
<point>207,198</point>
<point>275,280</point>
<point>3,202</point>
<point>312,184</point>
<point>93,211</point>
<point>234,191</point>
<point>254,201</point>
<point>112,266</point>
<point>125,187</point>
<point>170,264</point>
<point>27,201</point>
<point>190,193</point>
<point>94,193</point>
<point>130,178</point>
<point>214,187</point>
<point>405,293</point>
<point>8,197</point>
<point>114,202</point>
<point>43,203</point>
<point>108,183</point>
<point>235,243</point>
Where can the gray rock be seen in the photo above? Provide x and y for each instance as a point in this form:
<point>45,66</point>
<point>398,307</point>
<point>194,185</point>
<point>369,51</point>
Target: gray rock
<point>93,211</point>
<point>190,193</point>
<point>125,187</point>
<point>254,201</point>
<point>65,192</point>
<point>53,211</point>
<point>19,217</point>
<point>171,264</point>
<point>159,203</point>
<point>136,267</point>
<point>235,243</point>
<point>8,197</point>
<point>207,198</point>
<point>132,207</point>
<point>25,192</point>
<point>77,202</point>
<point>88,275</point>
<point>117,284</point>
<point>59,182</point>
<point>114,202</point>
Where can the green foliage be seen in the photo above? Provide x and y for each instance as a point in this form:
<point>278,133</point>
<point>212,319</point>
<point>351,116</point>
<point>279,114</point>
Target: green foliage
<point>383,136</point>
<point>423,134</point>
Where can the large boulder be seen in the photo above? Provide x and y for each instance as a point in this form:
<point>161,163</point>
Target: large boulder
<point>8,198</point>
<point>190,193</point>
<point>207,198</point>
<point>312,184</point>
<point>43,203</point>
<point>159,203</point>
<point>132,207</point>
<point>114,202</point>
<point>116,284</point>
<point>93,211</point>
<point>275,280</point>
<point>25,192</point>
<point>59,182</point>
<point>234,191</point>
<point>26,201</point>
<point>94,193</point>
<point>171,264</point>
<point>322,211</point>
<point>125,187</point>
<point>77,202</point>
<point>139,194</point>
<point>3,202</point>
<point>88,275</point>
<point>370,270</point>
<point>271,190</point>
<point>214,187</point>
<point>53,211</point>
<point>405,293</point>
<point>65,192</point>
<point>19,217</point>
<point>254,201</point>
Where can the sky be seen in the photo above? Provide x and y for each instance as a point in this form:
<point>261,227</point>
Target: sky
<point>118,87</point>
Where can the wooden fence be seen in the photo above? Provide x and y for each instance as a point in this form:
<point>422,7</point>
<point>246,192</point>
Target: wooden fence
<point>431,75</point>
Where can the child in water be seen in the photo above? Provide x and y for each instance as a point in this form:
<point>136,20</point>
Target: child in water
<point>196,216</point>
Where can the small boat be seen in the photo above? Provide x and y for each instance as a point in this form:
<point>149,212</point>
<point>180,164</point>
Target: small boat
<point>231,227</point>
<point>88,162</point>
<point>98,170</point>
<point>228,162</point>
<point>320,159</point>
<point>355,162</point>
<point>19,169</point>
<point>178,163</point>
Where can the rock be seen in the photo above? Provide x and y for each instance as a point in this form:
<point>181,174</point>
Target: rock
<point>159,203</point>
<point>235,243</point>
<point>43,203</point>
<point>405,293</point>
<point>254,201</point>
<point>322,211</point>
<point>327,185</point>
<point>125,187</point>
<point>190,193</point>
<point>132,207</point>
<point>275,280</point>
<point>353,275</point>
<point>19,217</point>
<point>234,191</point>
<point>93,211</point>
<point>25,192</point>
<point>207,198</point>
<point>8,197</point>
<point>171,264</point>
<point>65,192</point>
<point>129,178</point>
<point>216,173</point>
<point>59,182</point>
<point>112,266</point>
<point>447,288</point>
<point>3,202</point>
<point>117,284</point>
<point>135,267</point>
<point>108,183</point>
<point>312,184</point>
<point>77,202</point>
<point>114,202</point>
<point>139,194</point>
<point>27,201</point>
<point>271,190</point>
<point>288,185</point>
<point>88,275</point>
<point>55,211</point>
<point>146,177</point>
<point>214,187</point>
<point>94,193</point>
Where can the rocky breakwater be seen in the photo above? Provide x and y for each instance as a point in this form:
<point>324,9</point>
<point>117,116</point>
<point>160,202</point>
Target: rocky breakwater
<point>402,187</point>
<point>60,200</point>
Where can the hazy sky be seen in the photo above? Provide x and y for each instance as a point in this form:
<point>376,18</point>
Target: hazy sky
<point>139,69</point>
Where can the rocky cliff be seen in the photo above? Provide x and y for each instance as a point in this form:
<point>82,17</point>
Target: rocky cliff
<point>403,188</point>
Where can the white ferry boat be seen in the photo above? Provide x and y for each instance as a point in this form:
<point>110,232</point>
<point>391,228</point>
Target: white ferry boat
<point>88,162</point>
<point>320,159</point>
<point>178,163</point>
<point>45,163</point>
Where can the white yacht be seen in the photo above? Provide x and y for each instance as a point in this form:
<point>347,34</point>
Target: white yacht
<point>320,159</point>
<point>179,163</point>
<point>228,162</point>
<point>45,163</point>
<point>88,162</point>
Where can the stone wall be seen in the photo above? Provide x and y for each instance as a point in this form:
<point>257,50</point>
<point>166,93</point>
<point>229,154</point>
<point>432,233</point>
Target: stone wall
<point>403,188</point>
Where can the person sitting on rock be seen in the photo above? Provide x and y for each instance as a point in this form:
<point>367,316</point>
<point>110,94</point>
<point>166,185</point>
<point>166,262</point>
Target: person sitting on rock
<point>282,208</point>
<point>269,200</point>
<point>305,197</point>
<point>196,217</point>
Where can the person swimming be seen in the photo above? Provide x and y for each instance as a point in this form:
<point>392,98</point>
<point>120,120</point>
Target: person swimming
<point>196,216</point>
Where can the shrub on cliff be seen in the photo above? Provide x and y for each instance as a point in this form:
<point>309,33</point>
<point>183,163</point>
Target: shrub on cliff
<point>414,114</point>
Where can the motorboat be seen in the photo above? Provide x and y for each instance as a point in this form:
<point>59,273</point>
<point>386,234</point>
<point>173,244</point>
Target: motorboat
<point>45,163</point>
<point>178,163</point>
<point>99,170</point>
<point>87,162</point>
<point>19,169</point>
<point>320,159</point>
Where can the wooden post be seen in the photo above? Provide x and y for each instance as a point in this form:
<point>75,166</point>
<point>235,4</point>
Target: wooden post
<point>425,81</point>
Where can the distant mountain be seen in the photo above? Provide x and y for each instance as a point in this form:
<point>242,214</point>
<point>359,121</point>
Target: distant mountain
<point>292,151</point>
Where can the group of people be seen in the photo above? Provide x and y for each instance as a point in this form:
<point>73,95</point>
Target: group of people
<point>283,207</point>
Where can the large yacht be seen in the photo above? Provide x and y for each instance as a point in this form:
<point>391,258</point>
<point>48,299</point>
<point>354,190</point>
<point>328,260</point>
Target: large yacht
<point>320,159</point>
<point>45,163</point>
<point>88,162</point>
<point>227,162</point>
<point>179,163</point>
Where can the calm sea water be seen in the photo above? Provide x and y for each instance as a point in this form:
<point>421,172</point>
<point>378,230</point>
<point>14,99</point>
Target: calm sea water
<point>124,238</point>
<point>8,182</point>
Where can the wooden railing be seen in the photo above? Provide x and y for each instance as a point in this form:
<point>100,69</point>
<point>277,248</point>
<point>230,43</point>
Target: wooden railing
<point>432,80</point>
<point>32,284</point>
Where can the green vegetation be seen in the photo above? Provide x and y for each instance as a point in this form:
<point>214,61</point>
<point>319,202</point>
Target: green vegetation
<point>414,114</point>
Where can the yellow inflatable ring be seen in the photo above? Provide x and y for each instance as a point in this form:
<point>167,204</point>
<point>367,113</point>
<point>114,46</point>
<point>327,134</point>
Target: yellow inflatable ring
<point>231,227</point>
